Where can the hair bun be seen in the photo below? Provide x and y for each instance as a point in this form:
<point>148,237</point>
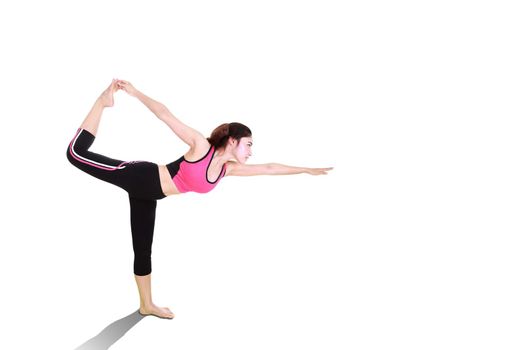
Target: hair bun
<point>226,130</point>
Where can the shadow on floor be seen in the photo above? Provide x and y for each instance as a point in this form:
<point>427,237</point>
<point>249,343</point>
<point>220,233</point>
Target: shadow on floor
<point>109,335</point>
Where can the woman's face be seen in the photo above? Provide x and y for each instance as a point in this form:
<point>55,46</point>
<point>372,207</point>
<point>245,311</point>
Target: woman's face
<point>242,149</point>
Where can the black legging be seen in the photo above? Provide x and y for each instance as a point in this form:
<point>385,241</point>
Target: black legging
<point>139,178</point>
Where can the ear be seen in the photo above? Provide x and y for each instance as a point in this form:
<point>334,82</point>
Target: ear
<point>232,141</point>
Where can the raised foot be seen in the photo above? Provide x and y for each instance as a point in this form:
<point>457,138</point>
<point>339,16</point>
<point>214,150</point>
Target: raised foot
<point>154,310</point>
<point>107,95</point>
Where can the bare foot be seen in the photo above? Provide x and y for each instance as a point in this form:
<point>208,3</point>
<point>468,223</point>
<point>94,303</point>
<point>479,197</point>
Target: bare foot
<point>154,310</point>
<point>107,96</point>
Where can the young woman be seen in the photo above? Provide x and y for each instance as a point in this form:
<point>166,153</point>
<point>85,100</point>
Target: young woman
<point>206,162</point>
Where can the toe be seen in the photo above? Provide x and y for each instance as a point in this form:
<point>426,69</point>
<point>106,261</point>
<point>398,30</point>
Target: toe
<point>168,312</point>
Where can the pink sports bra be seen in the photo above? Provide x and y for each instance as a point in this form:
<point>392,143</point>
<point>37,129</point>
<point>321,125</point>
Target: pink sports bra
<point>193,176</point>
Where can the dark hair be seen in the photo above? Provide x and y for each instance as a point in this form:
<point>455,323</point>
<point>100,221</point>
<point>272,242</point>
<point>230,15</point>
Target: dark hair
<point>219,137</point>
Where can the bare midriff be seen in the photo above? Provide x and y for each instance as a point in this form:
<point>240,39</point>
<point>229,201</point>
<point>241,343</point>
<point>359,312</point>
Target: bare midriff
<point>166,183</point>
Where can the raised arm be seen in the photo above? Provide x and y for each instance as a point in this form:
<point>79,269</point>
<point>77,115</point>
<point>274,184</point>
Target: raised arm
<point>238,169</point>
<point>187,134</point>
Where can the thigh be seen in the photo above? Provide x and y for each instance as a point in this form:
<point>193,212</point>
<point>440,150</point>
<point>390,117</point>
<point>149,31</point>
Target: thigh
<point>142,213</point>
<point>140,179</point>
<point>97,165</point>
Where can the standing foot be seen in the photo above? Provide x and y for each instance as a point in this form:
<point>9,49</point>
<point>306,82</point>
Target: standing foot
<point>154,310</point>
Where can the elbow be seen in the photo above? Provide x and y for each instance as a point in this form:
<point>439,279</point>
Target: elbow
<point>162,111</point>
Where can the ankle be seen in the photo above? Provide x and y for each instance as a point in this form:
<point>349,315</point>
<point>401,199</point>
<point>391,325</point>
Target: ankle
<point>99,103</point>
<point>146,305</point>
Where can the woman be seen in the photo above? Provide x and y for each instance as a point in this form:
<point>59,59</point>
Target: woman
<point>207,161</point>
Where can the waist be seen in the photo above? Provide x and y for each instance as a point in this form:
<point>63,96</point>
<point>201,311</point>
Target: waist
<point>166,181</point>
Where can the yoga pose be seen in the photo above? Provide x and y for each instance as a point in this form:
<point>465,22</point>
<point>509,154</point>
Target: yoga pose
<point>206,162</point>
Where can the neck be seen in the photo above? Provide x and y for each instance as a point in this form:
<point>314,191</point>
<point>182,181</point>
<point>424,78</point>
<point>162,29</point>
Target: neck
<point>222,155</point>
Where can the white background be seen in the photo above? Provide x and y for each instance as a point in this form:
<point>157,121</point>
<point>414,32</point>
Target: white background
<point>414,240</point>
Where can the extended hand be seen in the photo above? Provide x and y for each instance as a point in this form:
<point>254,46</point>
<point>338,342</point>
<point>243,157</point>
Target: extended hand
<point>318,171</point>
<point>126,86</point>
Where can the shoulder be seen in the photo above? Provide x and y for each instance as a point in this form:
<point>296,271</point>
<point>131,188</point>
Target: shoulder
<point>230,166</point>
<point>198,150</point>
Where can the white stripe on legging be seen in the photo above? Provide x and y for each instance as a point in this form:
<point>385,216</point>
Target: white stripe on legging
<point>89,161</point>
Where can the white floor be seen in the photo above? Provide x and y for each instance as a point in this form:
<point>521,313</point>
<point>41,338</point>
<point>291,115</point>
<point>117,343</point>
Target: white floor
<point>413,241</point>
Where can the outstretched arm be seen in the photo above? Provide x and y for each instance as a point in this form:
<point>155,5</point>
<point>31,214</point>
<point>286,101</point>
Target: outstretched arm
<point>187,134</point>
<point>238,169</point>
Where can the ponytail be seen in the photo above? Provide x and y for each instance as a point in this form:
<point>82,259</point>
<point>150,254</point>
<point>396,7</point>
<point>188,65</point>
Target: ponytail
<point>219,136</point>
